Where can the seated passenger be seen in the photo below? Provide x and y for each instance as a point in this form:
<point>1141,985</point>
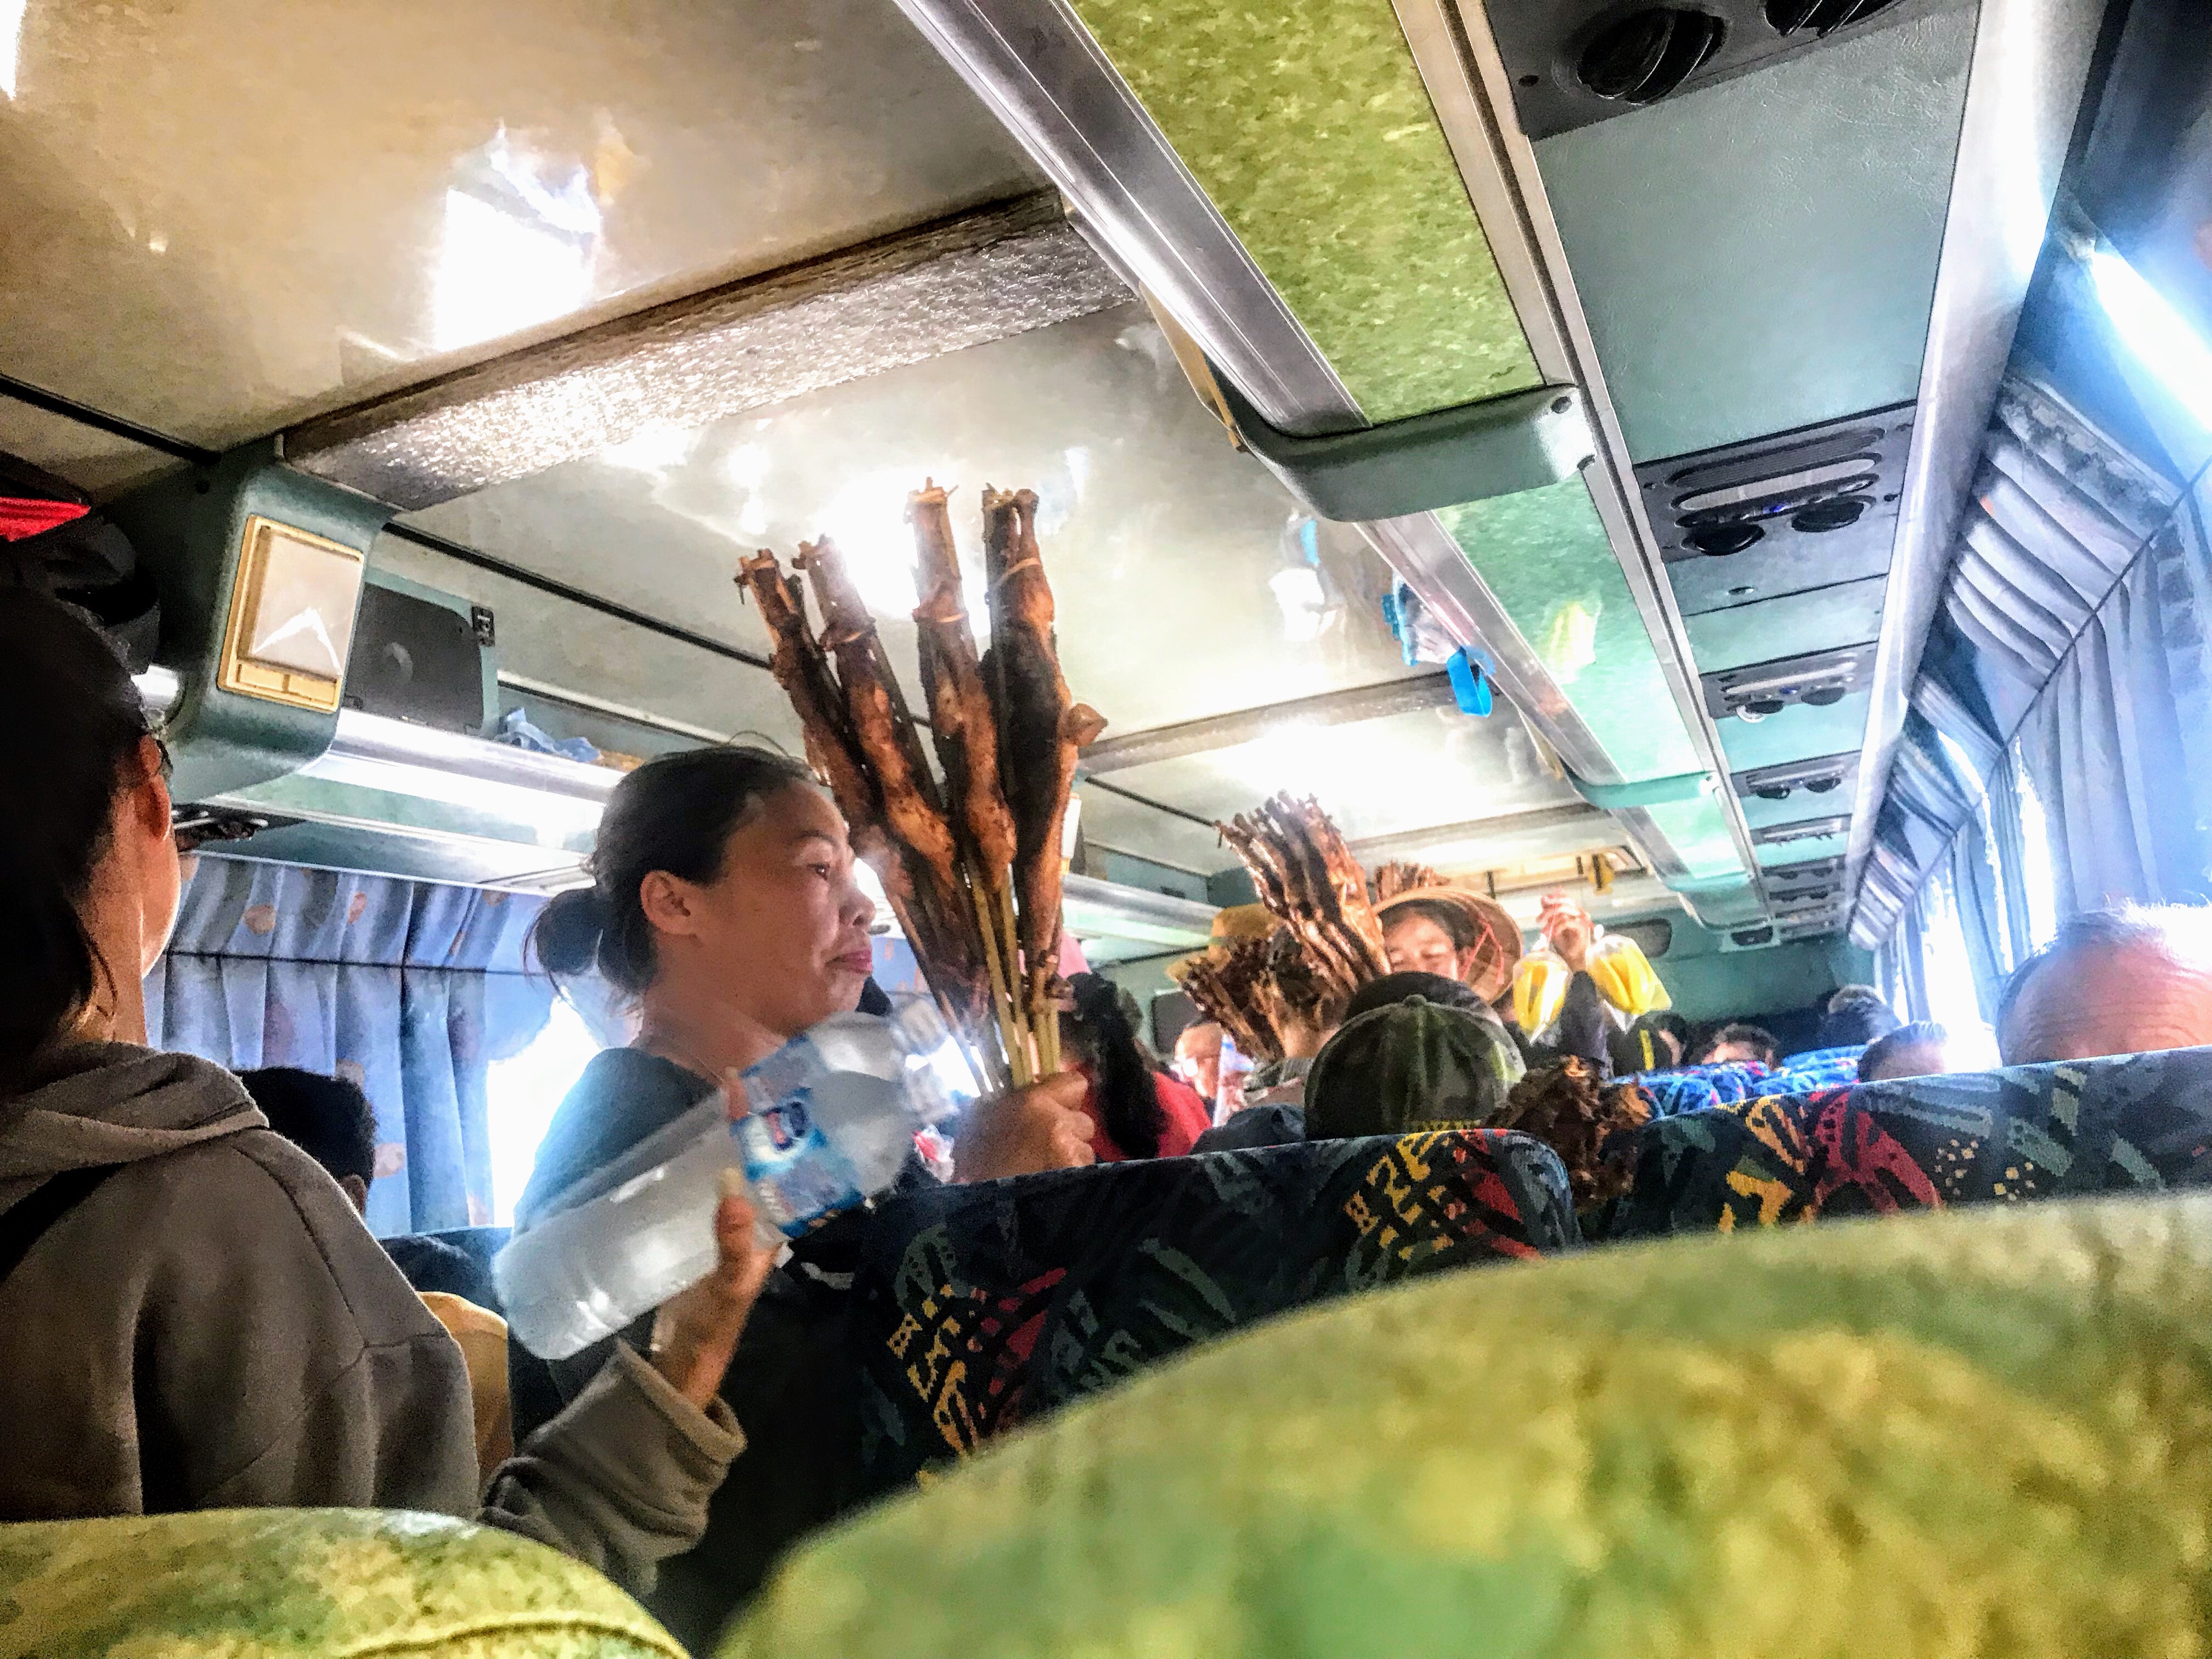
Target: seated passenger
<point>195,1318</point>
<point>1855,1014</point>
<point>1140,1111</point>
<point>1739,1044</point>
<point>1657,1042</point>
<point>723,900</point>
<point>1920,1049</point>
<point>330,1119</point>
<point>2128,981</point>
<point>1406,1066</point>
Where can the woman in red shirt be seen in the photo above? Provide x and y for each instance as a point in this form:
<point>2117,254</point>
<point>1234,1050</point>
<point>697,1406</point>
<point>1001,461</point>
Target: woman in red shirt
<point>1140,1111</point>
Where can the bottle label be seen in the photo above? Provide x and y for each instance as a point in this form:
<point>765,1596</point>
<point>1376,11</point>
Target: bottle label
<point>795,1173</point>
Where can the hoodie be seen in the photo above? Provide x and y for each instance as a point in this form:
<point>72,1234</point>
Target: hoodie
<point>213,1327</point>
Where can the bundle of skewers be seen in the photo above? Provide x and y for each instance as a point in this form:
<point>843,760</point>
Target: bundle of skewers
<point>1327,942</point>
<point>968,855</point>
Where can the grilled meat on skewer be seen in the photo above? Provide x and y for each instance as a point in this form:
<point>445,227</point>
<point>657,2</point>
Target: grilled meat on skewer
<point>960,720</point>
<point>1391,879</point>
<point>804,673</point>
<point>1225,984</point>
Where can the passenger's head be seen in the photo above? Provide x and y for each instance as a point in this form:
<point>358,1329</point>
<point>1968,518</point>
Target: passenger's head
<point>1657,1042</point>
<point>327,1118</point>
<point>90,891</point>
<point>1739,1044</point>
<point>1409,1066</point>
<point>1099,1034</point>
<point>2128,981</point>
<point>1198,1057</point>
<point>1855,1014</point>
<point>1920,1049</point>
<point>722,876</point>
<point>1457,936</point>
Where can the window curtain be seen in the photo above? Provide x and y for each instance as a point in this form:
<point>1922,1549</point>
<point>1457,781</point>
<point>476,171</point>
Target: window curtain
<point>411,989</point>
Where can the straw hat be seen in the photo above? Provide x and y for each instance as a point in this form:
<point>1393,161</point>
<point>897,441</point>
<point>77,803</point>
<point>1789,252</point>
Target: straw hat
<point>1498,935</point>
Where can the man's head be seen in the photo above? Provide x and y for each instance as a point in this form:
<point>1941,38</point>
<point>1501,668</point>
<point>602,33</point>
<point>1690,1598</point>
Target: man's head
<point>1406,1065</point>
<point>1855,1014</point>
<point>1198,1058</point>
<point>2128,981</point>
<point>1739,1043</point>
<point>326,1117</point>
<point>1920,1049</point>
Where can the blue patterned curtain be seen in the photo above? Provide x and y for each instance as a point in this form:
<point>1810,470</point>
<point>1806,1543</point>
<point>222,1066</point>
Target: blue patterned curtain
<point>410,989</point>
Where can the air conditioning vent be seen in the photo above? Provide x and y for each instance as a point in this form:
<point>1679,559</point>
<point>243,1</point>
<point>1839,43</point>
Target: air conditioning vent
<point>1749,937</point>
<point>1767,688</point>
<point>1574,62</point>
<point>1803,870</point>
<point>1774,835</point>
<point>1785,513</point>
<point>1643,57</point>
<point>1823,17</point>
<point>1803,780</point>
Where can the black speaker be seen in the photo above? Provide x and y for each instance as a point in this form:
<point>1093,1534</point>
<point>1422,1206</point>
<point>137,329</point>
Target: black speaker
<point>421,656</point>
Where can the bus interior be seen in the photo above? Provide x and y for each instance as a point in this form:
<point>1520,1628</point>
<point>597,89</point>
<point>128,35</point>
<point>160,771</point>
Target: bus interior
<point>1738,464</point>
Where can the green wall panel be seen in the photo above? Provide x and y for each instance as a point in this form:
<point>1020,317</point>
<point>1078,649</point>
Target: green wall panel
<point>1698,832</point>
<point>1760,254</point>
<point>1307,124</point>
<point>1796,625</point>
<point>1544,554</point>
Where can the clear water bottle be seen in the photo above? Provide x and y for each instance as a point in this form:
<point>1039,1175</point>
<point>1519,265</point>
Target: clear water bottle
<point>833,1115</point>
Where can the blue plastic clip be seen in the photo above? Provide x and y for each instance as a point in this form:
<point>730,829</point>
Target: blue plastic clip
<point>1470,673</point>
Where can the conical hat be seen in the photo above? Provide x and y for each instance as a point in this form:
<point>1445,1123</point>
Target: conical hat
<point>1499,944</point>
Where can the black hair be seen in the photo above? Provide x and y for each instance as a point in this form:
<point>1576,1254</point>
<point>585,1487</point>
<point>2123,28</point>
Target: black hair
<point>675,814</point>
<point>1637,1049</point>
<point>1757,1036</point>
<point>1397,988</point>
<point>1458,923</point>
<point>1905,1036</point>
<point>68,741</point>
<point>2181,931</point>
<point>328,1118</point>
<point>1856,1013</point>
<point>1129,1105</point>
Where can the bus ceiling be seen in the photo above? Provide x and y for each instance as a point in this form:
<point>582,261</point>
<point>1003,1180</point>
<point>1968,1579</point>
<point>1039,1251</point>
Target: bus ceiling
<point>1641,362</point>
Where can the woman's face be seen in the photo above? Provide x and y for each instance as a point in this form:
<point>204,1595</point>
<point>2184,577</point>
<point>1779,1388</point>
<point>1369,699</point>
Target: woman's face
<point>1417,944</point>
<point>783,931</point>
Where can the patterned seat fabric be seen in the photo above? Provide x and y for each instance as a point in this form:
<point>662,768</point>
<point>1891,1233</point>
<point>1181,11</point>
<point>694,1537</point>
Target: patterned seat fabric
<point>2129,1122</point>
<point>1821,1069</point>
<point>304,1584</point>
<point>977,1309</point>
<point>1694,1088</point>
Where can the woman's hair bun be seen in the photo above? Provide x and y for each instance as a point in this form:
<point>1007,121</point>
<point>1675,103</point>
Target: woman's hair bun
<point>567,933</point>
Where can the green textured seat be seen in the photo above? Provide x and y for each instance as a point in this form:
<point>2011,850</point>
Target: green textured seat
<point>276,1583</point>
<point>1985,1432</point>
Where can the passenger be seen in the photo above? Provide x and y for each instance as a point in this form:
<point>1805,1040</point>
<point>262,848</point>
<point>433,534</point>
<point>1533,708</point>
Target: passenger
<point>1585,987</point>
<point>1855,1014</point>
<point>1656,1042</point>
<point>1739,1044</point>
<point>1140,1111</point>
<point>1198,1058</point>
<point>195,1318</point>
<point>2130,981</point>
<point>1920,1049</point>
<point>1453,934</point>
<point>330,1120</point>
<point>723,900</point>
<point>1410,1066</point>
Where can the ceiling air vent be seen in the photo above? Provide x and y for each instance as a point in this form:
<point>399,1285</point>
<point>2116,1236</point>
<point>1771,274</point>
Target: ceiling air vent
<point>1822,17</point>
<point>1803,781</point>
<point>1646,55</point>
<point>1804,870</point>
<point>1768,688</point>
<point>1774,835</point>
<point>1781,514</point>
<point>1576,62</point>
<point>1749,937</point>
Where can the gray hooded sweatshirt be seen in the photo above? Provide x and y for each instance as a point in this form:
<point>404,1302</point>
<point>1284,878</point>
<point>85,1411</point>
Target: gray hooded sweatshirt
<point>213,1327</point>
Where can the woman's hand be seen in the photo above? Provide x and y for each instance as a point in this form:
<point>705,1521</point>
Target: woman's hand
<point>696,1330</point>
<point>1567,929</point>
<point>1026,1130</point>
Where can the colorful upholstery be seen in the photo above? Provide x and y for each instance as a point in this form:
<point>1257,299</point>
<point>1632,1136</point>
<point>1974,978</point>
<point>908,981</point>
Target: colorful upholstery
<point>2131,1122</point>
<point>978,1309</point>
<point>1694,1088</point>
<point>1985,1432</point>
<point>1821,1069</point>
<point>325,1583</point>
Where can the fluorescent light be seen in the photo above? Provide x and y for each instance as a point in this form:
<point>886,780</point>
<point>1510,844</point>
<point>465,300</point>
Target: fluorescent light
<point>2155,332</point>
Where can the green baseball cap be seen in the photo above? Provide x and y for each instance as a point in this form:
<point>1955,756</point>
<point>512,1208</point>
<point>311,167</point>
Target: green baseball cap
<point>1410,1066</point>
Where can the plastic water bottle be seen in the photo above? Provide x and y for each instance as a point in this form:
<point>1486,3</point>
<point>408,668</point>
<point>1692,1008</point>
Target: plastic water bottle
<point>833,1115</point>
